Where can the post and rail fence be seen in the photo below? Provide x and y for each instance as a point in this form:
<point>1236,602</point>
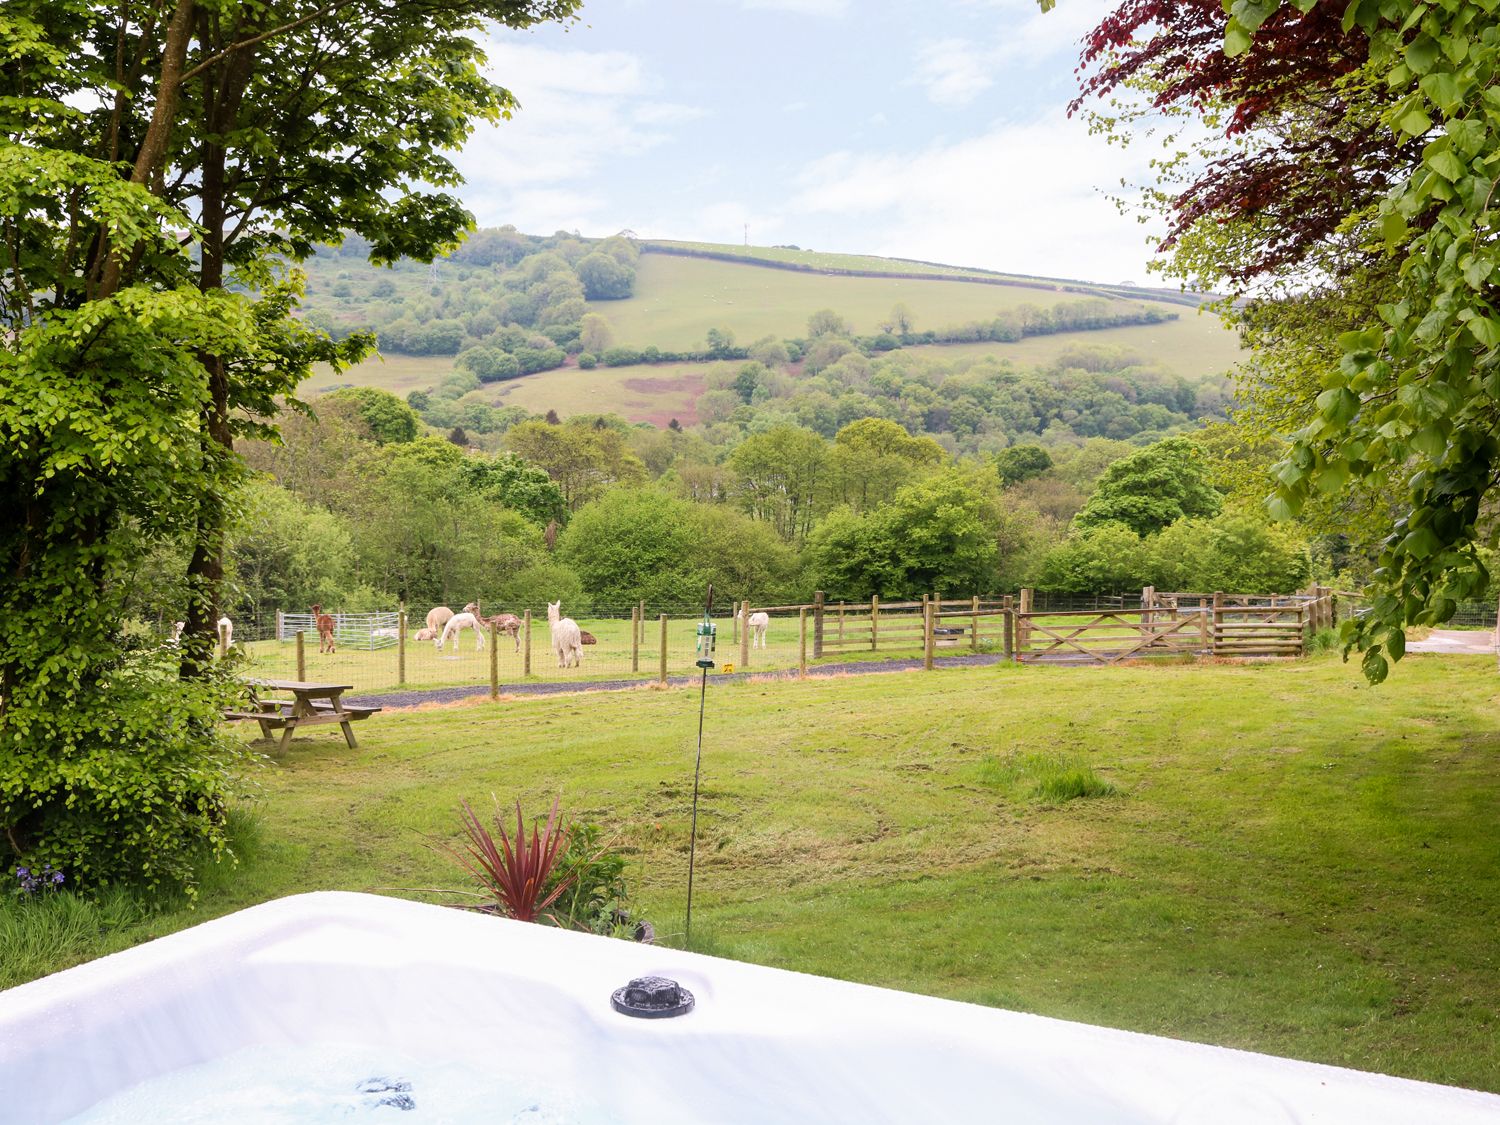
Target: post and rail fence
<point>379,650</point>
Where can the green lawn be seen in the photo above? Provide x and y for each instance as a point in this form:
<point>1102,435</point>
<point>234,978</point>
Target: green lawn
<point>1294,863</point>
<point>645,392</point>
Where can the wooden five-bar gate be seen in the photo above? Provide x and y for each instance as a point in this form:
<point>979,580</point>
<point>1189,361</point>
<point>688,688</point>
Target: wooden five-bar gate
<point>1166,624</point>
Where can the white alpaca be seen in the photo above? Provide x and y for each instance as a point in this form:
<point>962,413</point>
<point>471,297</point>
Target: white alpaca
<point>426,635</point>
<point>437,617</point>
<point>567,638</point>
<point>456,624</point>
<point>759,623</point>
<point>226,631</point>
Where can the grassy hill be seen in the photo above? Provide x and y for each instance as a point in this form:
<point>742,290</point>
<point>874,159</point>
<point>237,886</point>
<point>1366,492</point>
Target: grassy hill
<point>678,299</point>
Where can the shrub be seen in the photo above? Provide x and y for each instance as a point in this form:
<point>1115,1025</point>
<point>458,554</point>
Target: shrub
<point>588,361</point>
<point>595,895</point>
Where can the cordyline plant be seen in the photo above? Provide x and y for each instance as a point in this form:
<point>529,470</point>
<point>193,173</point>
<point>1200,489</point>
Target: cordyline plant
<point>515,872</point>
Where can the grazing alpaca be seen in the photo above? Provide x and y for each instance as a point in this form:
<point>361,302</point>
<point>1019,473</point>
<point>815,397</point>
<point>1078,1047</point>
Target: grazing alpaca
<point>506,623</point>
<point>456,624</point>
<point>759,623</point>
<point>567,639</point>
<point>226,631</point>
<point>326,625</point>
<point>587,638</point>
<point>437,617</point>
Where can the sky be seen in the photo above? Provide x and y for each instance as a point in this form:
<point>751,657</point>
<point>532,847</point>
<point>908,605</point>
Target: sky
<point>936,131</point>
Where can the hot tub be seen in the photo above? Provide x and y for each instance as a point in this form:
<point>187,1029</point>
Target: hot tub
<point>392,1010</point>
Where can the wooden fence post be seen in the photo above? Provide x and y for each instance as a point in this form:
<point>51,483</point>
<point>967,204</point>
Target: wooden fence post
<point>635,638</point>
<point>662,670</point>
<point>975,645</point>
<point>1148,603</point>
<point>301,658</point>
<point>802,640</point>
<point>745,634</point>
<point>526,644</point>
<point>1218,622</point>
<point>1007,606</point>
<point>818,625</point>
<point>928,617</point>
<point>401,645</point>
<point>874,622</point>
<point>841,625</point>
<point>494,662</point>
<point>223,642</point>
<point>280,626</point>
<point>1023,627</point>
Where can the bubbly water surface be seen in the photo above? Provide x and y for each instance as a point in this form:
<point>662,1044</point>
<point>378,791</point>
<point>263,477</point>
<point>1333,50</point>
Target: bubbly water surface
<point>332,1082</point>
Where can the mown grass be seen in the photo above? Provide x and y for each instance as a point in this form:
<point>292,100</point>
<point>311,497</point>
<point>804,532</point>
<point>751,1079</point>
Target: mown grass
<point>1294,862</point>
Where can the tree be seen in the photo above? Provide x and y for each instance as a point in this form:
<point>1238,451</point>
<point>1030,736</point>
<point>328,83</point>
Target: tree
<point>522,487</point>
<point>642,544</point>
<point>826,322</point>
<point>780,475</point>
<point>163,162</point>
<point>605,278</point>
<point>1151,489</point>
<point>1107,558</point>
<point>936,534</point>
<point>901,319</point>
<point>1021,463</point>
<point>720,342</point>
<point>583,459</point>
<point>1365,134</point>
<point>388,419</point>
<point>594,334</point>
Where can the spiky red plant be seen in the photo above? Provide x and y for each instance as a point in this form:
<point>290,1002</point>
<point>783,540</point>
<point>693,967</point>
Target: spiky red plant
<point>514,871</point>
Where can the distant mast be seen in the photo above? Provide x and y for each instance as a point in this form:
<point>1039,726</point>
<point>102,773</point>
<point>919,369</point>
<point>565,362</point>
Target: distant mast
<point>747,234</point>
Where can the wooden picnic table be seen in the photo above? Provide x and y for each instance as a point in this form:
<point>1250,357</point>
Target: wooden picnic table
<point>309,705</point>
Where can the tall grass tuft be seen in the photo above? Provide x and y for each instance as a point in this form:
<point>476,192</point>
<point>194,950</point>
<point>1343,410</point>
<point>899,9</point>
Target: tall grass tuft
<point>1050,777</point>
<point>60,928</point>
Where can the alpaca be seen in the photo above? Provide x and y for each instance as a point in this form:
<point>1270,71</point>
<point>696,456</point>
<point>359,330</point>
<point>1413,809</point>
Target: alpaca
<point>506,623</point>
<point>567,640</point>
<point>585,637</point>
<point>456,624</point>
<point>326,626</point>
<point>437,617</point>
<point>226,631</point>
<point>759,623</point>
<point>426,635</point>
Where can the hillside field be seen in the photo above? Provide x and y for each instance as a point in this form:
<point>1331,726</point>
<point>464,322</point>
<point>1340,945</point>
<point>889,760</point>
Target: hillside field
<point>677,300</point>
<point>1293,862</point>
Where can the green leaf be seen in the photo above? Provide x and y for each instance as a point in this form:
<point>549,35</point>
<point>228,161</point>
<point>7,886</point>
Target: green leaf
<point>1431,441</point>
<point>1413,120</point>
<point>1447,165</point>
<point>1422,53</point>
<point>1485,329</point>
<point>1444,89</point>
<point>1333,478</point>
<point>1236,39</point>
<point>1395,643</point>
<point>1374,666</point>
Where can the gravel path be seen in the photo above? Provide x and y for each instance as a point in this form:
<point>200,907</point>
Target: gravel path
<point>1467,642</point>
<point>393,699</point>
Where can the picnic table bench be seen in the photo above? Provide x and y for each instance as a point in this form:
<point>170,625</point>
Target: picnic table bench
<point>310,704</point>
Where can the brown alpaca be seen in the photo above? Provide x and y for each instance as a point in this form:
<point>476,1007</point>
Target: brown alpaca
<point>325,629</point>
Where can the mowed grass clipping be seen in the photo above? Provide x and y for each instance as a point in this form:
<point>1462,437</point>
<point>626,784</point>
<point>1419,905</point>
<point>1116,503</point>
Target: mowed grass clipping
<point>1291,861</point>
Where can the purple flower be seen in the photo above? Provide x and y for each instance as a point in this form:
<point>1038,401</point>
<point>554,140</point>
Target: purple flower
<point>57,877</point>
<point>23,872</point>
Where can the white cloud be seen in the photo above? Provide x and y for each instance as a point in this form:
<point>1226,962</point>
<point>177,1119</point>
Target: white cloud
<point>581,111</point>
<point>953,71</point>
<point>1020,197</point>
